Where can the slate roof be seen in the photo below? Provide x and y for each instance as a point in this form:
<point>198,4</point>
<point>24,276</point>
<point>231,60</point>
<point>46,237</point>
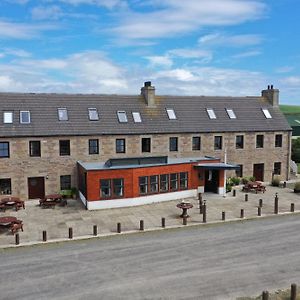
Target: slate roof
<point>190,111</point>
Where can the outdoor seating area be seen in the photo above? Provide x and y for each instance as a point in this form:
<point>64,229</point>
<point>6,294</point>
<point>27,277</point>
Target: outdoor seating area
<point>11,202</point>
<point>254,186</point>
<point>50,201</point>
<point>11,223</point>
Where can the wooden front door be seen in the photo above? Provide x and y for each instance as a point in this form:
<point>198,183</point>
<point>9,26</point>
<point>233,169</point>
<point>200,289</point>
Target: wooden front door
<point>36,187</point>
<point>211,181</point>
<point>258,172</point>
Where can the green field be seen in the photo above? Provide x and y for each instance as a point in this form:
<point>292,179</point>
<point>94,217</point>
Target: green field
<point>290,109</point>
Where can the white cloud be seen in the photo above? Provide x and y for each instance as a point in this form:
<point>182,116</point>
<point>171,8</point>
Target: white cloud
<point>172,17</point>
<point>110,4</point>
<point>160,61</point>
<point>247,54</point>
<point>284,69</point>
<point>22,30</point>
<point>48,12</point>
<point>205,56</point>
<point>16,52</point>
<point>292,81</point>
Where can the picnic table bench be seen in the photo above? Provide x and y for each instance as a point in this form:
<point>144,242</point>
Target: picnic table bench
<point>52,200</point>
<point>255,186</point>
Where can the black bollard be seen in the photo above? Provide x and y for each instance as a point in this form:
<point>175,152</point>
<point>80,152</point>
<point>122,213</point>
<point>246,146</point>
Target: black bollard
<point>259,211</point>
<point>204,211</point>
<point>284,184</point>
<point>265,295</point>
<point>242,213</point>
<point>234,193</point>
<point>246,197</point>
<point>95,230</point>
<point>184,220</point>
<point>70,233</point>
<point>44,236</point>
<point>119,227</point>
<point>200,206</point>
<point>17,237</point>
<point>276,204</point>
<point>199,196</point>
<point>223,215</point>
<point>293,291</point>
<point>260,202</point>
<point>141,225</point>
<point>292,207</point>
<point>163,222</point>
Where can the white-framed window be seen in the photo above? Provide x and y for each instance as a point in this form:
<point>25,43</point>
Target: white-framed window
<point>211,113</point>
<point>171,114</point>
<point>266,113</point>
<point>25,117</point>
<point>122,116</point>
<point>8,117</point>
<point>136,117</point>
<point>93,114</point>
<point>230,113</point>
<point>62,114</point>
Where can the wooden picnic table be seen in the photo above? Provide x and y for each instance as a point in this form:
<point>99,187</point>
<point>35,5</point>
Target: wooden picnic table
<point>11,222</point>
<point>11,201</point>
<point>254,186</point>
<point>51,200</point>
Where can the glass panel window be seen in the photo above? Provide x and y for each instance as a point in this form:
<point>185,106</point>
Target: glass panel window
<point>120,146</point>
<point>24,117</point>
<point>231,113</point>
<point>277,168</point>
<point>218,142</point>
<point>266,113</point>
<point>118,185</point>
<point>8,117</point>
<point>183,180</point>
<point>146,144</point>
<point>278,140</point>
<point>105,188</point>
<point>122,117</point>
<point>34,148</point>
<point>62,114</point>
<point>143,184</point>
<point>64,147</point>
<point>173,144</point>
<point>94,146</point>
<point>174,182</point>
<point>196,143</point>
<point>239,142</point>
<point>4,149</point>
<point>211,113</point>
<point>164,182</point>
<point>259,141</point>
<point>5,186</point>
<point>154,184</point>
<point>65,182</point>
<point>171,114</point>
<point>93,114</point>
<point>239,171</point>
<point>136,117</point>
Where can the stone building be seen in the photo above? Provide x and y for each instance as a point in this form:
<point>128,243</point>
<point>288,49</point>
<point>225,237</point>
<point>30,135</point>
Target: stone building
<point>50,142</point>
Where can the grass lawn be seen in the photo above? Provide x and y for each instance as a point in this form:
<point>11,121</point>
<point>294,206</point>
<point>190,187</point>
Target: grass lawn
<point>290,109</point>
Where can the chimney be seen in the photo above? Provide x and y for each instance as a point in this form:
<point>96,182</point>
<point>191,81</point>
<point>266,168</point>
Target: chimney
<point>272,95</point>
<point>148,92</point>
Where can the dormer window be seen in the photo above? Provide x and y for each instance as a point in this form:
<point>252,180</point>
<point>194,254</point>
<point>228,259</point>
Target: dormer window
<point>93,114</point>
<point>62,114</point>
<point>211,113</point>
<point>8,117</point>
<point>122,117</point>
<point>171,114</point>
<point>230,113</point>
<point>25,117</point>
<point>136,117</point>
<point>266,113</point>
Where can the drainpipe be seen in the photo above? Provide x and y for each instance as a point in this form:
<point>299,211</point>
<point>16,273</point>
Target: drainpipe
<point>225,161</point>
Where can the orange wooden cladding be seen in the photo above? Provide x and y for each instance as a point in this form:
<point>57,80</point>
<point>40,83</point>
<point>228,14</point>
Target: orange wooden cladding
<point>131,178</point>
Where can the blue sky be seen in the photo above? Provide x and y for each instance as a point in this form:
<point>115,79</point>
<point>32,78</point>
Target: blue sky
<point>190,47</point>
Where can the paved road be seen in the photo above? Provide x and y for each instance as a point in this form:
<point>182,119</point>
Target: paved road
<point>211,262</point>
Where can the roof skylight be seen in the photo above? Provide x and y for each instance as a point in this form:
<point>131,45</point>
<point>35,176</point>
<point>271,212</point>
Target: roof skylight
<point>62,114</point>
<point>93,114</point>
<point>266,113</point>
<point>8,117</point>
<point>211,113</point>
<point>171,114</point>
<point>24,117</point>
<point>122,116</point>
<point>231,113</point>
<point>136,117</point>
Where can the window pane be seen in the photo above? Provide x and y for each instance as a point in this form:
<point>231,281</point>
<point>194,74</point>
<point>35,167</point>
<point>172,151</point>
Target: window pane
<point>164,182</point>
<point>7,117</point>
<point>266,113</point>
<point>35,148</point>
<point>24,117</point>
<point>231,113</point>
<point>218,142</point>
<point>174,182</point>
<point>239,171</point>
<point>62,114</point>
<point>136,117</point>
<point>65,182</point>
<point>183,180</point>
<point>120,145</point>
<point>143,184</point>
<point>277,168</point>
<point>64,147</point>
<point>211,113</point>
<point>4,149</point>
<point>5,186</point>
<point>171,114</point>
<point>239,144</point>
<point>93,114</point>
<point>196,143</point>
<point>122,117</point>
<point>278,140</point>
<point>146,144</point>
<point>173,144</point>
<point>118,184</point>
<point>105,186</point>
<point>259,141</point>
<point>93,146</point>
<point>154,183</point>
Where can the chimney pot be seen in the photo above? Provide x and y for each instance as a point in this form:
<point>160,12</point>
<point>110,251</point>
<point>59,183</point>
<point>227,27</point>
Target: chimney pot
<point>147,83</point>
<point>272,87</point>
<point>268,87</point>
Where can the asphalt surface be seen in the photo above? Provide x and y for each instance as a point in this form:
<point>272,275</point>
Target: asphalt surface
<point>209,262</point>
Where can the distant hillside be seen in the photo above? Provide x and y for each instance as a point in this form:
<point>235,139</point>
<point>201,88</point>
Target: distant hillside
<point>290,109</point>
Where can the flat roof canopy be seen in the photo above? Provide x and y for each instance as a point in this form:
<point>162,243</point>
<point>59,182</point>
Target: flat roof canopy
<point>216,166</point>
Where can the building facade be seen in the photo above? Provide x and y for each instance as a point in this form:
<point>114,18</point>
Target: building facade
<point>47,139</point>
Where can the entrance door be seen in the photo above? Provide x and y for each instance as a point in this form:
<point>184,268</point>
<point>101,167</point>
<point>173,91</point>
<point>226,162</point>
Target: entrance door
<point>258,172</point>
<point>36,187</point>
<point>211,181</point>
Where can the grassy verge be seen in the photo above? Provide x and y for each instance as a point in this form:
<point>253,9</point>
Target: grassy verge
<point>290,109</point>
